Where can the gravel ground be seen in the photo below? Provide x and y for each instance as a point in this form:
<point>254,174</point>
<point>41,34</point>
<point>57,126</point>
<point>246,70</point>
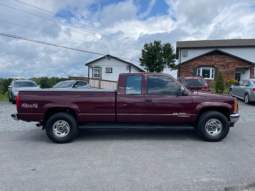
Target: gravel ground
<point>139,160</point>
<point>6,121</point>
<point>126,159</point>
<point>247,113</point>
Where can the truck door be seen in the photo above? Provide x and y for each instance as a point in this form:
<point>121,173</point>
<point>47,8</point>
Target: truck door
<point>162,105</point>
<point>130,99</point>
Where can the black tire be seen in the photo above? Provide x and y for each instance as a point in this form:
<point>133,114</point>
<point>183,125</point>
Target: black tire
<point>9,97</point>
<point>217,117</point>
<point>247,98</point>
<point>13,101</point>
<point>230,93</point>
<point>69,119</point>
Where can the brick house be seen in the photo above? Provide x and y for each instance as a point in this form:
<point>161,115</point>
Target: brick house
<point>234,58</point>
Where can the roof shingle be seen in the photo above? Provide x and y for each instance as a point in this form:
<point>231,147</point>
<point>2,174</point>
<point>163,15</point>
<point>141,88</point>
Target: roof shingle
<point>215,43</point>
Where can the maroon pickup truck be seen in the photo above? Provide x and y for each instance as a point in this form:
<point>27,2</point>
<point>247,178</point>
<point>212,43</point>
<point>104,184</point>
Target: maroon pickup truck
<point>141,99</point>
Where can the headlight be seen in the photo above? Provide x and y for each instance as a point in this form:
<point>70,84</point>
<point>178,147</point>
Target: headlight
<point>16,91</point>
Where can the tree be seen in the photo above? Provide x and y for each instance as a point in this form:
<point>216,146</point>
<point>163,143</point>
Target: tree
<point>220,87</point>
<point>44,82</point>
<point>156,57</point>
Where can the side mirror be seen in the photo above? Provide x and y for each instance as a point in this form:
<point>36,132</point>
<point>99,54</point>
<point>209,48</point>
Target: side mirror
<point>39,86</point>
<point>76,86</point>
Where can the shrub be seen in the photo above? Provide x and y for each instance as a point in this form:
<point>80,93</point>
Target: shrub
<point>220,87</point>
<point>231,82</point>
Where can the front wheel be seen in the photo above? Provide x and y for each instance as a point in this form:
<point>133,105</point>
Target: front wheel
<point>13,100</point>
<point>61,127</point>
<point>230,93</point>
<point>9,97</point>
<point>212,126</point>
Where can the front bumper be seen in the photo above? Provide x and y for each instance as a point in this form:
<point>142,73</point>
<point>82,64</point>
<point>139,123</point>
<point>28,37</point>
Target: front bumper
<point>15,117</point>
<point>234,117</point>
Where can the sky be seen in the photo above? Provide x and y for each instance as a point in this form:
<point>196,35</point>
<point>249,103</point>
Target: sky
<point>116,27</point>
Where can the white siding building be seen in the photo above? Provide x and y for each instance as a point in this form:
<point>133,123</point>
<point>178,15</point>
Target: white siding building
<point>109,67</point>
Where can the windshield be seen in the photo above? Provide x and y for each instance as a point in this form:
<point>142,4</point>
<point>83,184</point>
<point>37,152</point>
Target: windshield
<point>66,84</point>
<point>194,83</point>
<point>19,84</point>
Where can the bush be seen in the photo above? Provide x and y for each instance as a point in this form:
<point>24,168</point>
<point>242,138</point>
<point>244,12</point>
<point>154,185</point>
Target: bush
<point>231,82</point>
<point>220,87</point>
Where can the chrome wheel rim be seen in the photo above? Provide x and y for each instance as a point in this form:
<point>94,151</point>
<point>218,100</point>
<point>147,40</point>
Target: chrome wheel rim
<point>246,99</point>
<point>61,128</point>
<point>213,127</point>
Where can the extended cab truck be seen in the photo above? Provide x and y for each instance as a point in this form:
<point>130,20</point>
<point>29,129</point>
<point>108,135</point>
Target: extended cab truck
<point>140,98</point>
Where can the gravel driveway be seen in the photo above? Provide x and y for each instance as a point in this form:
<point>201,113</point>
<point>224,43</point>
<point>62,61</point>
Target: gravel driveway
<point>6,121</point>
<point>139,160</point>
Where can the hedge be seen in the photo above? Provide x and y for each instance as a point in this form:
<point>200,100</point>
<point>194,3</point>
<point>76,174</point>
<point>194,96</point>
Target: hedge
<point>231,82</point>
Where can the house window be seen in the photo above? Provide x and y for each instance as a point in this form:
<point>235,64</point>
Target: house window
<point>108,70</point>
<point>96,72</point>
<point>207,73</point>
<point>184,53</point>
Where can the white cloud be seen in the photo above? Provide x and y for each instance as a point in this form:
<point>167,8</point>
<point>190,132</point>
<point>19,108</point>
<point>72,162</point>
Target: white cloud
<point>186,20</point>
<point>122,11</point>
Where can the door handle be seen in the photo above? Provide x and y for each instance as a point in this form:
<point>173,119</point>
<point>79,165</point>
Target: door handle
<point>148,100</point>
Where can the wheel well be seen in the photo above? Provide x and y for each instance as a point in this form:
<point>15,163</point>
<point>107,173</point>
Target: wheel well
<point>53,111</point>
<point>222,110</point>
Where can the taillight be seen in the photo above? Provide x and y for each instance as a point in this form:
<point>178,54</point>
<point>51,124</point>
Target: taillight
<point>17,101</point>
<point>254,89</point>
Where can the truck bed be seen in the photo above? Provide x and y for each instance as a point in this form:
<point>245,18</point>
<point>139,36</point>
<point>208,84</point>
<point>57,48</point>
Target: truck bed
<point>91,105</point>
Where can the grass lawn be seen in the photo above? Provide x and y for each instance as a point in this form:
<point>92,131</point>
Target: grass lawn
<point>225,91</point>
<point>4,98</point>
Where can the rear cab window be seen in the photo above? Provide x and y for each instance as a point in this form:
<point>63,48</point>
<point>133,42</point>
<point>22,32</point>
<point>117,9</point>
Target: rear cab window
<point>134,85</point>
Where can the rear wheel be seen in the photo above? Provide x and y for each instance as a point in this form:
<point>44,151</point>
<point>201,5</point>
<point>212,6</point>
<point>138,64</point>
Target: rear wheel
<point>212,126</point>
<point>61,127</point>
<point>247,99</point>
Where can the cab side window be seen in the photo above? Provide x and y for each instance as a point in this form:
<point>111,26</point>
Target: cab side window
<point>134,85</point>
<point>161,85</point>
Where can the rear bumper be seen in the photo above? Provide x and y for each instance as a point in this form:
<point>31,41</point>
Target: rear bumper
<point>234,118</point>
<point>15,117</point>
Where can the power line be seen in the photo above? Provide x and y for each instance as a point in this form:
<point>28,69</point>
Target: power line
<point>70,19</point>
<point>65,47</point>
<point>55,21</point>
<point>50,33</point>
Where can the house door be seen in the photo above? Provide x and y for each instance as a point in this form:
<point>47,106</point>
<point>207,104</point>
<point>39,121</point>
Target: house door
<point>237,76</point>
